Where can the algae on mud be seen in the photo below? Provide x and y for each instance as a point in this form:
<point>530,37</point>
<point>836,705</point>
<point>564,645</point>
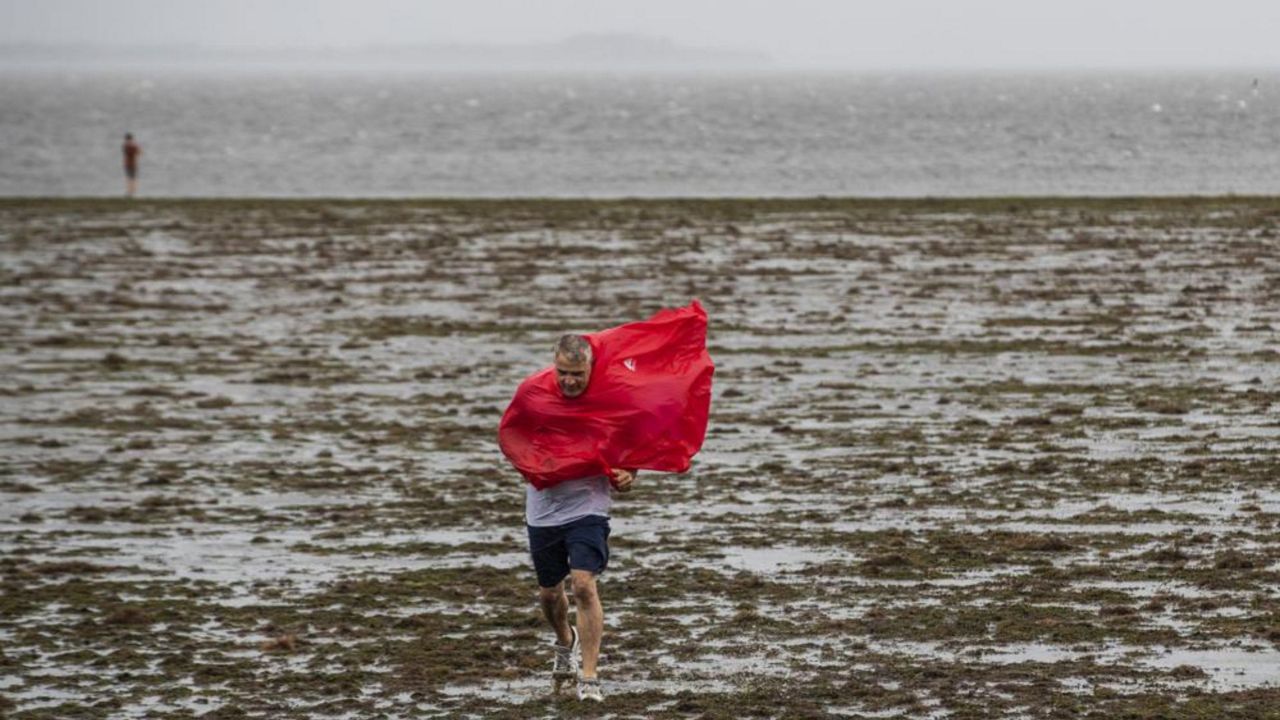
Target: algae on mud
<point>966,458</point>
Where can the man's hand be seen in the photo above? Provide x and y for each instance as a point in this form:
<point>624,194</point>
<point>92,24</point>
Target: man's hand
<point>622,479</point>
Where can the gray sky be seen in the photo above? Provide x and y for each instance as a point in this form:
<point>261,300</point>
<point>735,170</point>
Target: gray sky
<point>851,33</point>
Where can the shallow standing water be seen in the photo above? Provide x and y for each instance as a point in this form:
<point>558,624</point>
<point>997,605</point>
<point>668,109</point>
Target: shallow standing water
<point>403,134</point>
<point>966,458</point>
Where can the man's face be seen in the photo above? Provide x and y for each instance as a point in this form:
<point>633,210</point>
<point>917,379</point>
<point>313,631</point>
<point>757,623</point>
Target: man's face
<point>572,376</point>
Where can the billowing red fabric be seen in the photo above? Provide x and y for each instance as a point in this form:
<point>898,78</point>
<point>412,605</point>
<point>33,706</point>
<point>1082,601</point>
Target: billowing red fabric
<point>645,405</point>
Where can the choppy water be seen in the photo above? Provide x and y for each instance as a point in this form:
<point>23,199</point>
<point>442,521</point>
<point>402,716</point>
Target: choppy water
<point>399,134</point>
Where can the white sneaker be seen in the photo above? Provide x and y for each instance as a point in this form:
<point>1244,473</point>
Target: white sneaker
<point>565,666</point>
<point>589,689</point>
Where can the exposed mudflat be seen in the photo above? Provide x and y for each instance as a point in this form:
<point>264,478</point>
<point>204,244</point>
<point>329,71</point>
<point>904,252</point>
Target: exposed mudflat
<point>967,459</point>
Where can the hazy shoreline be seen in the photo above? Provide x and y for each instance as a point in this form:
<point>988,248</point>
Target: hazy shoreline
<point>750,202</point>
<point>727,136</point>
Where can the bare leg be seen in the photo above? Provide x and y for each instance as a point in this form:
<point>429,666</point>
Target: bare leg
<point>133,187</point>
<point>555,605</point>
<point>590,619</point>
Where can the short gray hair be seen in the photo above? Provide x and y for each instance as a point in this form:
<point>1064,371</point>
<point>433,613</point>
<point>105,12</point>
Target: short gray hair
<point>573,348</point>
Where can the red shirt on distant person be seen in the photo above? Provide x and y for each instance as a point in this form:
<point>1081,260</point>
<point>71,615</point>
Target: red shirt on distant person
<point>131,150</point>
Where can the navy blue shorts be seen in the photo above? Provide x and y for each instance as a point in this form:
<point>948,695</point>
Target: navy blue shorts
<point>580,545</point>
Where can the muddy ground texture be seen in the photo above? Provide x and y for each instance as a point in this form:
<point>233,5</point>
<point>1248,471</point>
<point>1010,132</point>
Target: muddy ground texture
<point>966,459</point>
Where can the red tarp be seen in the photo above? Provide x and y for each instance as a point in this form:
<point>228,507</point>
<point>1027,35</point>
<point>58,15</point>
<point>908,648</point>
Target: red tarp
<point>645,405</point>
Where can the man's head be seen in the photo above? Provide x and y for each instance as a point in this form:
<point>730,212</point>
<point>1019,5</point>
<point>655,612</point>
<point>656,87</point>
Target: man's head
<point>573,365</point>
<point>128,136</point>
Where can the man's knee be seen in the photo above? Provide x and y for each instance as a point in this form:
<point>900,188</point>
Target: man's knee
<point>584,588</point>
<point>549,596</point>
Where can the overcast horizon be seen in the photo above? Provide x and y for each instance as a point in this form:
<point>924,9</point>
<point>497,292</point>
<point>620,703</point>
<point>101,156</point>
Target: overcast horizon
<point>803,34</point>
<point>130,56</point>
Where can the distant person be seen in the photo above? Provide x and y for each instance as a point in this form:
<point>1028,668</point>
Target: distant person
<point>132,150</point>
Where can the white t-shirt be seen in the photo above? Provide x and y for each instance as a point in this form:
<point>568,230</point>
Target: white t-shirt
<point>567,501</point>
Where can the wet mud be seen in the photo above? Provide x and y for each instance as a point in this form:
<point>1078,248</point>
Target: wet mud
<point>967,459</point>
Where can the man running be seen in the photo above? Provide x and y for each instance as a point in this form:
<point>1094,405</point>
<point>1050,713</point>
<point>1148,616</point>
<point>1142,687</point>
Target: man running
<point>132,151</point>
<point>628,397</point>
<point>568,527</point>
